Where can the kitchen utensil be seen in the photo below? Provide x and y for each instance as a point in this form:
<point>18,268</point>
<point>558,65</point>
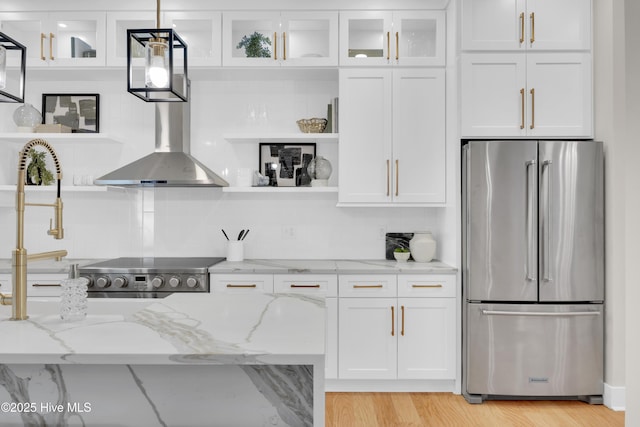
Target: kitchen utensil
<point>225,234</point>
<point>240,235</point>
<point>245,234</point>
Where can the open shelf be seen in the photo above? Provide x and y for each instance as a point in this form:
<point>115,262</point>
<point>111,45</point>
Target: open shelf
<point>52,188</point>
<point>24,137</point>
<point>279,189</point>
<point>282,137</point>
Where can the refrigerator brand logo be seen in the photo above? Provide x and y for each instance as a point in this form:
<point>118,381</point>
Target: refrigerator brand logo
<point>538,380</point>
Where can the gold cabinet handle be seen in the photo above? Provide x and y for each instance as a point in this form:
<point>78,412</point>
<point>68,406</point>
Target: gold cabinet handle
<point>532,17</point>
<point>284,46</point>
<point>397,175</point>
<point>522,108</point>
<point>51,36</point>
<point>397,46</point>
<point>42,37</point>
<point>253,285</point>
<point>427,286</point>
<point>402,326</point>
<point>533,108</point>
<point>46,285</point>
<point>522,28</point>
<point>367,286</point>
<point>387,177</point>
<point>305,286</point>
<point>393,321</point>
<point>388,44</point>
<point>275,46</point>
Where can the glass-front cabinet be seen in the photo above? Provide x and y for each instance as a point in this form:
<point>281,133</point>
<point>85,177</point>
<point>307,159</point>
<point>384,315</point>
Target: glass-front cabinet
<point>280,39</point>
<point>117,25</point>
<point>58,39</point>
<point>201,31</point>
<point>372,38</point>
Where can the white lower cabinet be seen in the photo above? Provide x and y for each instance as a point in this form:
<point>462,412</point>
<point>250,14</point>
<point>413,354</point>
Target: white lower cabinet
<point>408,336</point>
<point>241,283</point>
<point>38,285</point>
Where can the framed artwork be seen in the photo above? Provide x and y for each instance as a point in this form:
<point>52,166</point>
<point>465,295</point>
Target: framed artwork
<point>285,164</point>
<point>81,112</point>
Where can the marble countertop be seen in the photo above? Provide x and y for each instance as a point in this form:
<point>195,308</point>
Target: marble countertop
<point>182,328</point>
<point>47,266</point>
<point>272,266</point>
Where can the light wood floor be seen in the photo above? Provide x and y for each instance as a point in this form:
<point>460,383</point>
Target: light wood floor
<point>447,409</point>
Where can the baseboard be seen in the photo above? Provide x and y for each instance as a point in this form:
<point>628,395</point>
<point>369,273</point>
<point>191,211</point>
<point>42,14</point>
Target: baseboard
<point>614,397</point>
<point>390,386</point>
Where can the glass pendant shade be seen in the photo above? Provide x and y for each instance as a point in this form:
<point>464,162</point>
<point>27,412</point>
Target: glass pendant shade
<point>12,84</point>
<point>157,65</point>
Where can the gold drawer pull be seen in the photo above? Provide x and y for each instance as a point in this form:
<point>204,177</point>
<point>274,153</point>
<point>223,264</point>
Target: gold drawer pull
<point>402,310</point>
<point>305,286</point>
<point>393,321</point>
<point>366,286</point>
<point>229,285</point>
<point>46,285</point>
<point>427,286</point>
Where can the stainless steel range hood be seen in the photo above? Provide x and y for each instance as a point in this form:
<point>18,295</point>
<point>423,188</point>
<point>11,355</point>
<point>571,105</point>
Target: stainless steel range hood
<point>170,165</point>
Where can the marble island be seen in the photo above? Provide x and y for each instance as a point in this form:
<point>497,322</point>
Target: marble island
<point>189,360</point>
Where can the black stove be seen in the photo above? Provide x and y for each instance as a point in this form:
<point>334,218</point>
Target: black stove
<point>147,277</point>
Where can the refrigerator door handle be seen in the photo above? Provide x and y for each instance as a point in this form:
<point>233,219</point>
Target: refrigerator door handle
<point>529,222</point>
<point>546,221</point>
<point>539,313</point>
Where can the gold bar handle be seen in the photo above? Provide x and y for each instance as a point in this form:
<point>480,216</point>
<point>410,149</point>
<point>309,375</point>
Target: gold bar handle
<point>387,177</point>
<point>397,175</point>
<point>522,108</point>
<point>393,321</point>
<point>533,108</point>
<point>367,286</point>
<point>42,37</point>
<point>402,327</point>
<point>275,46</point>
<point>46,285</point>
<point>305,286</point>
<point>229,285</point>
<point>51,36</point>
<point>427,286</point>
<point>522,28</point>
<point>388,44</point>
<point>284,46</point>
<point>532,17</point>
<point>397,46</point>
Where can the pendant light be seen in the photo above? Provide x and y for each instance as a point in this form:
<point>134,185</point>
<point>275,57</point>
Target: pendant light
<point>11,91</point>
<point>162,77</point>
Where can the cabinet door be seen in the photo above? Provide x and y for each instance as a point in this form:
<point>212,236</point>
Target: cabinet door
<point>493,25</point>
<point>29,29</point>
<point>427,338</point>
<point>241,27</point>
<point>309,38</point>
<point>117,25</point>
<point>367,338</point>
<point>365,135</point>
<point>331,349</point>
<point>77,39</point>
<point>365,38</point>
<point>418,136</point>
<point>202,32</point>
<point>555,25</point>
<point>560,95</point>
<point>493,95</point>
<point>419,38</point>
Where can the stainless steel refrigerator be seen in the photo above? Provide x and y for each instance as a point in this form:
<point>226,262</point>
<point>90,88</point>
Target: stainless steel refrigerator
<point>533,270</point>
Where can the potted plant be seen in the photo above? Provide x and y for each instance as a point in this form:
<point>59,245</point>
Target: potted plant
<point>401,254</point>
<point>255,46</point>
<point>37,172</point>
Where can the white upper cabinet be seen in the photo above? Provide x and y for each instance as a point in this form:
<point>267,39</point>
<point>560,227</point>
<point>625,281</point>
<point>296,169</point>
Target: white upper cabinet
<point>280,39</point>
<point>202,32</point>
<point>58,39</point>
<point>526,25</point>
<point>117,25</point>
<point>412,38</point>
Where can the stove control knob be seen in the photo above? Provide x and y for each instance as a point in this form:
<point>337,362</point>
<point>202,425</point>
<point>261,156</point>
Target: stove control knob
<point>89,281</point>
<point>192,282</point>
<point>120,282</point>
<point>157,282</point>
<point>174,282</point>
<point>103,282</point>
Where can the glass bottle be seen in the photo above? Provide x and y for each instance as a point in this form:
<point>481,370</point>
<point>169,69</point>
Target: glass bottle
<point>73,301</point>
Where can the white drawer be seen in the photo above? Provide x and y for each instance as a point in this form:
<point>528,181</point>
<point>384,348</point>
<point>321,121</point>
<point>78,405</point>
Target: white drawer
<point>242,283</point>
<point>427,285</point>
<point>367,285</point>
<point>47,286</point>
<point>5,283</point>
<point>325,284</point>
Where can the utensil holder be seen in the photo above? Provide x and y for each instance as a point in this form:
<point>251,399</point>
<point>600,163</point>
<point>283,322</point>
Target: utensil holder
<point>235,250</point>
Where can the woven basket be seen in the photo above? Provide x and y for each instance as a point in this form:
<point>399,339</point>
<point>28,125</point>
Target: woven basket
<point>314,125</point>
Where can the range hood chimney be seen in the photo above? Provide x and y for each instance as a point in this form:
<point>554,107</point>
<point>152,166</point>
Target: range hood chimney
<point>171,165</point>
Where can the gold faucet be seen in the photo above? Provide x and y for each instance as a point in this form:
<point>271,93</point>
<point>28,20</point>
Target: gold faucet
<point>18,299</point>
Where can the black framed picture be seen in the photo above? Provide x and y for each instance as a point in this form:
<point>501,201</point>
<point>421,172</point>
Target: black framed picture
<point>79,111</point>
<point>286,163</point>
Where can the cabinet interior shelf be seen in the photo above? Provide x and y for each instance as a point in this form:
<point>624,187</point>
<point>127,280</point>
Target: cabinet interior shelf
<point>282,137</point>
<point>279,189</point>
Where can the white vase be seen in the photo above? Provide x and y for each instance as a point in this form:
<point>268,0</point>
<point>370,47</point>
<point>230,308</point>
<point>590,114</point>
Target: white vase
<point>422,246</point>
<point>26,118</point>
